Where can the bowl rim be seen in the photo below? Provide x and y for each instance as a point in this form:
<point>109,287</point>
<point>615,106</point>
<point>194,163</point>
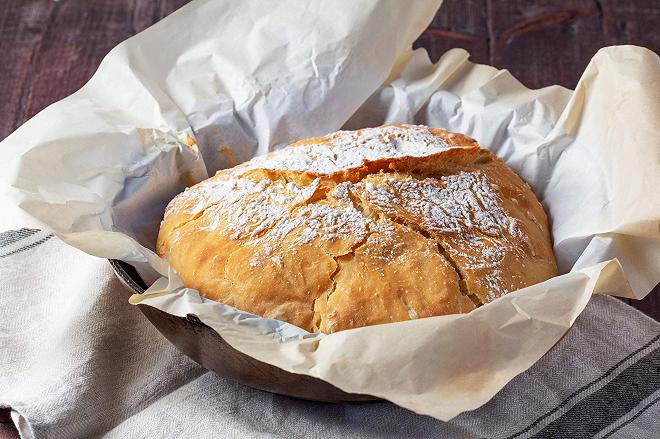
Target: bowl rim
<point>128,276</point>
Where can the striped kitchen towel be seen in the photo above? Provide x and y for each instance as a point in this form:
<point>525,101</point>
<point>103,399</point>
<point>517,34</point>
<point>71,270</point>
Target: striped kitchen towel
<point>77,361</point>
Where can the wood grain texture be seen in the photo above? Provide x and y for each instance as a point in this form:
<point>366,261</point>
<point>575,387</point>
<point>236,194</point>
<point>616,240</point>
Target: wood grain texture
<point>542,42</point>
<point>460,24</point>
<point>55,47</point>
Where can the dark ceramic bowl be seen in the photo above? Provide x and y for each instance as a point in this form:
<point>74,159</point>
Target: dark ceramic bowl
<point>201,343</point>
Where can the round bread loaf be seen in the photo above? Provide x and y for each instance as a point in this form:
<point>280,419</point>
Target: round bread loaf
<point>359,228</point>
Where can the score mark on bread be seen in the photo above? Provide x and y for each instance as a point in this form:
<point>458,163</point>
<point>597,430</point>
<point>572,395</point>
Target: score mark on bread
<point>359,228</point>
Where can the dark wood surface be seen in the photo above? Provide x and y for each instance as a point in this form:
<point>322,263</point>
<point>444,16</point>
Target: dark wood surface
<point>50,49</point>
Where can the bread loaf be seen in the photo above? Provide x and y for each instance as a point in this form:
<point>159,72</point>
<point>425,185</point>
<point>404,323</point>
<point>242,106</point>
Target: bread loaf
<point>359,228</point>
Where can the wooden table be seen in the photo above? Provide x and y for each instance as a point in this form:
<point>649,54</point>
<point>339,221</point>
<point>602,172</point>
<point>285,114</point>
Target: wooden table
<point>50,49</point>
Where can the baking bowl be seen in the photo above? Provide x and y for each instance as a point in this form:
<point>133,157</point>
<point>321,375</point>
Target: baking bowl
<point>206,347</point>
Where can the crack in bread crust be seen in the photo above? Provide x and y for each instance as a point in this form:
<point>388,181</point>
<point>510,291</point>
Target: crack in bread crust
<point>317,318</point>
<point>442,251</point>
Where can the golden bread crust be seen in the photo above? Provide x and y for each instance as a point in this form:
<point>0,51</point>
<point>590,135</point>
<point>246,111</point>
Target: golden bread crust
<point>360,228</point>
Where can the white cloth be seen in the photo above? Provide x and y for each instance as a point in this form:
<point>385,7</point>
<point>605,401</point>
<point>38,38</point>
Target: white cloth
<point>72,365</point>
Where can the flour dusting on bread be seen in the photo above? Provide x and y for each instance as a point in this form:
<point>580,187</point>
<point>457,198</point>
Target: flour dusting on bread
<point>350,149</point>
<point>318,236</point>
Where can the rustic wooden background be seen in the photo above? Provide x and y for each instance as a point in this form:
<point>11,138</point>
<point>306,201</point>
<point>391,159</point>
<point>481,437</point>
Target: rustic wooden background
<point>51,48</point>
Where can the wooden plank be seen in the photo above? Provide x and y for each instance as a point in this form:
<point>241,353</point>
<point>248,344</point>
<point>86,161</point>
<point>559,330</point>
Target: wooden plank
<point>55,47</point>
<point>21,34</point>
<point>650,305</point>
<point>632,22</point>
<point>544,42</point>
<point>461,24</point>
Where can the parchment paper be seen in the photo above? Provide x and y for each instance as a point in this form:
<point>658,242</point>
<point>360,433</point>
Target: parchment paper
<point>219,81</point>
